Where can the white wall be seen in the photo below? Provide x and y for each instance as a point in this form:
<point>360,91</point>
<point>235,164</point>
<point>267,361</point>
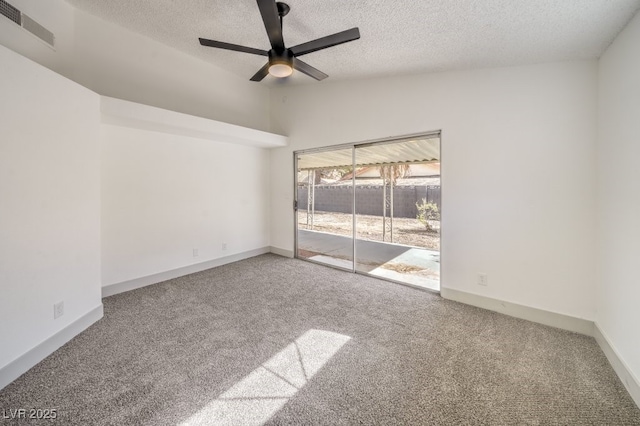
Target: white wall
<point>164,195</point>
<point>85,203</point>
<point>117,62</point>
<point>49,203</point>
<point>618,296</point>
<point>518,150</point>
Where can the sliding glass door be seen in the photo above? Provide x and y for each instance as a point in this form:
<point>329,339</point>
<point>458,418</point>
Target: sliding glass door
<point>324,201</point>
<point>397,226</point>
<point>372,208</point>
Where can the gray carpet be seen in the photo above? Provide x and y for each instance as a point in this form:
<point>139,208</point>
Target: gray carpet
<point>289,342</point>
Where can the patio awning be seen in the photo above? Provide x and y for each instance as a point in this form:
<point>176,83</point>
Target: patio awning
<point>421,150</point>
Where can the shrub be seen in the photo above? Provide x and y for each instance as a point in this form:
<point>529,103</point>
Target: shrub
<point>427,212</point>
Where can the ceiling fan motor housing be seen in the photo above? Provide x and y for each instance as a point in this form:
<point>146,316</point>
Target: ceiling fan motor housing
<point>285,57</point>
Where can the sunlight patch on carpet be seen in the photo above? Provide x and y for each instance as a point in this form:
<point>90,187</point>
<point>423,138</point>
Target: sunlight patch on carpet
<point>264,391</point>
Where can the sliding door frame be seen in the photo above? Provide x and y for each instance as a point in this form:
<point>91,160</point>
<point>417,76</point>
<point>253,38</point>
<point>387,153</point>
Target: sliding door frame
<point>353,146</point>
<point>296,203</point>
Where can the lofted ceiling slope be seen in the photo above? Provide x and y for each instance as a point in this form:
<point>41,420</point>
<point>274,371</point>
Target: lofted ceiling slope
<point>397,37</point>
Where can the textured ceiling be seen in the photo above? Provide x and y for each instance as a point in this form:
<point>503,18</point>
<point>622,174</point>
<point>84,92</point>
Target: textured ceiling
<point>397,37</point>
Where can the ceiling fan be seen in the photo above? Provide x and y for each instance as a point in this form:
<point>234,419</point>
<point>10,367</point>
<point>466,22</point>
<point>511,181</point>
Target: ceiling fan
<point>282,60</point>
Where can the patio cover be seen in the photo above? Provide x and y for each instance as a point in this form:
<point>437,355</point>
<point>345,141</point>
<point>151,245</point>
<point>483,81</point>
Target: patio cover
<point>421,150</point>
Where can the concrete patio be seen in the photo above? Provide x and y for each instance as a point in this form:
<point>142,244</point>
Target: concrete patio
<point>411,265</point>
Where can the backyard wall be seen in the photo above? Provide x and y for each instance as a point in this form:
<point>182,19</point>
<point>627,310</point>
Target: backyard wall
<point>369,199</point>
<point>527,133</point>
<point>618,295</point>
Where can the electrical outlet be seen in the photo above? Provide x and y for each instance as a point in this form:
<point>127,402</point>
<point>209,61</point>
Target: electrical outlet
<point>224,246</point>
<point>58,310</point>
<point>483,279</point>
<point>195,253</point>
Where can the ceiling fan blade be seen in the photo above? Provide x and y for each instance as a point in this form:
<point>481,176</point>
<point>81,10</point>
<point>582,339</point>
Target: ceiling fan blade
<point>271,19</point>
<point>307,69</point>
<point>262,73</point>
<point>324,42</point>
<point>229,46</point>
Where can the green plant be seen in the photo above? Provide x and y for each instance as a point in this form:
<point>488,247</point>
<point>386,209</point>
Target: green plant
<point>427,212</point>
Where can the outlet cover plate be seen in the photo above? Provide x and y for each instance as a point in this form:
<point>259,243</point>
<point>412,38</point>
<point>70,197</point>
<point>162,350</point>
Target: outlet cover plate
<point>58,310</point>
<point>483,280</point>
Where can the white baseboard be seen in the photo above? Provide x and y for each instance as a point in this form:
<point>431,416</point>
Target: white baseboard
<point>629,380</point>
<point>553,319</point>
<point>121,287</point>
<point>24,363</point>
<point>281,252</point>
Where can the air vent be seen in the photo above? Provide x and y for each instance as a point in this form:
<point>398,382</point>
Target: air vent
<point>37,30</point>
<point>27,23</point>
<point>10,12</point>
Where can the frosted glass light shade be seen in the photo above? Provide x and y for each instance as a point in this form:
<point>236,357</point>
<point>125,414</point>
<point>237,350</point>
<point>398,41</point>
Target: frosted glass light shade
<point>280,70</point>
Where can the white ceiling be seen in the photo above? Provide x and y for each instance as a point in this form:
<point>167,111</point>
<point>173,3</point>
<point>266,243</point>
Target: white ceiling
<point>397,37</point>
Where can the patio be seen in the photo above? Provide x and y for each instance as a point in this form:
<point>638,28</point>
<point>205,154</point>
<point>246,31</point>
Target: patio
<point>406,264</point>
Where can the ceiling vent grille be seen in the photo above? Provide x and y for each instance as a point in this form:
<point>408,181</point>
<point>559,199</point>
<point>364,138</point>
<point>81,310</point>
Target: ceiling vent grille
<point>27,23</point>
<point>37,30</point>
<point>10,12</point>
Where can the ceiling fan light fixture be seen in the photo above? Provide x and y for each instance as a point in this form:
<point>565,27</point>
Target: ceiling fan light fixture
<point>283,60</point>
<point>280,63</point>
<point>280,70</point>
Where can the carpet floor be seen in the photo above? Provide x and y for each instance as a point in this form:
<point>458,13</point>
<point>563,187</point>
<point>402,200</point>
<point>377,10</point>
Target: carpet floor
<point>278,341</point>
